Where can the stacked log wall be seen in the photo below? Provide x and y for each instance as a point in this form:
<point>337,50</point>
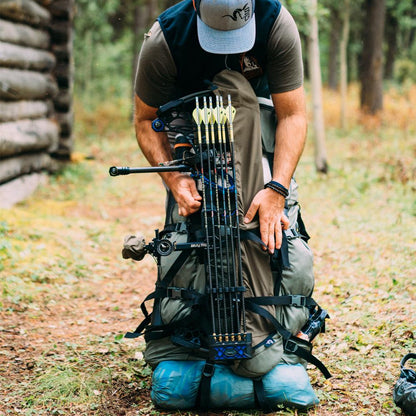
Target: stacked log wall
<point>61,31</point>
<point>36,84</point>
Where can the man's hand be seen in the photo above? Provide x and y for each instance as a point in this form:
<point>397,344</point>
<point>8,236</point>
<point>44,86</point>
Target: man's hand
<point>270,205</point>
<point>185,193</point>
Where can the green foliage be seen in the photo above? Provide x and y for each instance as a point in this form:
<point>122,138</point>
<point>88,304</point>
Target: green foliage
<point>299,10</point>
<point>103,67</point>
<point>72,181</point>
<point>404,13</point>
<point>405,71</point>
<point>105,52</point>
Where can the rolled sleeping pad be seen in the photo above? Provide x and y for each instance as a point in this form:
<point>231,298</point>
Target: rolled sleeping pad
<point>175,385</point>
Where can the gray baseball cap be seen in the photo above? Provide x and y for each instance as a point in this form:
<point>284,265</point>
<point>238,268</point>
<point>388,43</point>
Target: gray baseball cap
<point>226,26</point>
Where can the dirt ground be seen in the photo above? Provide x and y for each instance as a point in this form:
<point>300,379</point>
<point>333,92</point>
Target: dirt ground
<point>37,331</point>
<point>68,296</point>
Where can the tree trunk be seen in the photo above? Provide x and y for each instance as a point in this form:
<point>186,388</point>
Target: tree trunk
<point>316,86</point>
<point>372,57</point>
<point>344,62</point>
<point>334,46</point>
<point>152,11</point>
<point>392,27</point>
<point>304,39</point>
<point>410,36</point>
<point>139,23</point>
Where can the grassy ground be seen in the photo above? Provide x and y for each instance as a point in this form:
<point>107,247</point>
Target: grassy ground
<point>67,297</point>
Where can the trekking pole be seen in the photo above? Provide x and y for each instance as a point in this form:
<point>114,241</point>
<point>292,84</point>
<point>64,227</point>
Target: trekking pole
<point>197,117</point>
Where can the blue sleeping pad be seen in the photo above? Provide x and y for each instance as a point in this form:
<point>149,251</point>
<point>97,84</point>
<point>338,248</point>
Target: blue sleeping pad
<point>175,385</point>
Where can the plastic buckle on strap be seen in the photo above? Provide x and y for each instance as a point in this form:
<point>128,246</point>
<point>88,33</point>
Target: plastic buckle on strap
<point>298,300</point>
<point>291,346</point>
<point>208,370</point>
<point>174,292</point>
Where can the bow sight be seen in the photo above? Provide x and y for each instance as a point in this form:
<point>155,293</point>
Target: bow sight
<point>204,147</point>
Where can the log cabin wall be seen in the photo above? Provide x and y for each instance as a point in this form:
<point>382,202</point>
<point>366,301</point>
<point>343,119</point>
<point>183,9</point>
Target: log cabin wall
<point>36,84</point>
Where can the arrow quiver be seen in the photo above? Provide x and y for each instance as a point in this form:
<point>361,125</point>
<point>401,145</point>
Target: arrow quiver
<point>202,127</point>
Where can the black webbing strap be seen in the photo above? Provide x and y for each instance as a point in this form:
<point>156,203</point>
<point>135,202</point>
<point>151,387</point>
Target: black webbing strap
<point>293,347</point>
<point>260,395</point>
<point>252,235</point>
<point>277,272</point>
<point>278,260</point>
<point>284,300</point>
<point>162,285</point>
<point>161,293</point>
<point>205,386</point>
<point>173,270</point>
<point>154,332</point>
<point>290,343</point>
<point>281,255</point>
<point>139,330</point>
<point>283,252</point>
<point>178,293</point>
<point>302,229</point>
<point>146,321</point>
<point>250,305</point>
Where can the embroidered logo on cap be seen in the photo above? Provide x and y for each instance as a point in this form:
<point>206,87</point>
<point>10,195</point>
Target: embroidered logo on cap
<point>243,14</point>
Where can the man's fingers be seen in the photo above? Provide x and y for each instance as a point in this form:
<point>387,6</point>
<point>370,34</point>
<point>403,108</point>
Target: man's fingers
<point>271,242</point>
<point>188,207</point>
<point>264,235</point>
<point>251,212</point>
<point>285,222</point>
<point>195,194</point>
<point>278,234</point>
<point>186,195</point>
<point>271,234</point>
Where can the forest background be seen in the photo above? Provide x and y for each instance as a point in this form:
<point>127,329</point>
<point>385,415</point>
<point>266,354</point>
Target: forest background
<point>67,297</point>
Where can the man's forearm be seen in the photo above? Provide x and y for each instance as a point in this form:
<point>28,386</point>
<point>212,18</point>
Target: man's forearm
<point>290,133</point>
<point>154,145</point>
<point>290,141</point>
<point>156,148</point>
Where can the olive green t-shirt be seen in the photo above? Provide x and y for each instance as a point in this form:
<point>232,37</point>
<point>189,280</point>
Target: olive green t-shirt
<point>156,70</point>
